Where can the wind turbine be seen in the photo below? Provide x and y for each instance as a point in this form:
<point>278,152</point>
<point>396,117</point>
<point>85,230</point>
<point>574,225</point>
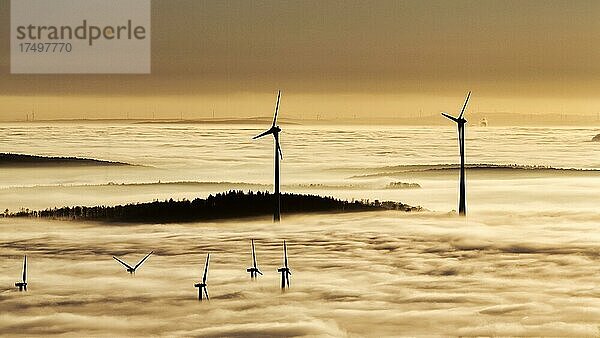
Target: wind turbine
<point>275,130</point>
<point>285,270</point>
<point>202,286</point>
<point>130,269</point>
<point>254,269</point>
<point>460,122</point>
<point>22,285</point>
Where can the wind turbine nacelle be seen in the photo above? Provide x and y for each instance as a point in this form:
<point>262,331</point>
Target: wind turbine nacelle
<point>20,284</point>
<point>250,270</point>
<point>199,285</point>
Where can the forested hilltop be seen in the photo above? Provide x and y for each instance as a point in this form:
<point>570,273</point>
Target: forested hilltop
<point>228,205</point>
<point>34,161</point>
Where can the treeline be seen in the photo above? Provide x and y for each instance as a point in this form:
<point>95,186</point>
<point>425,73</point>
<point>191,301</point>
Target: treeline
<point>231,204</point>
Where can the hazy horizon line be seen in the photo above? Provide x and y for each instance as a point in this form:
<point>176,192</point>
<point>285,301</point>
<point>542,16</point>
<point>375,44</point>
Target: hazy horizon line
<point>504,119</point>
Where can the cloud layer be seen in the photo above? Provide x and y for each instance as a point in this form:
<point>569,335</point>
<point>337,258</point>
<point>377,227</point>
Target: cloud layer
<point>374,274</point>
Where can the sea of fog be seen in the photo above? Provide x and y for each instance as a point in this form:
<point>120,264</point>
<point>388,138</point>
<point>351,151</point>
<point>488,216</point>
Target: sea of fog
<point>523,263</point>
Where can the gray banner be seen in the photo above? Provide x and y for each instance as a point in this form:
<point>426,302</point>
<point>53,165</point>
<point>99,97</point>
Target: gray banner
<point>80,36</point>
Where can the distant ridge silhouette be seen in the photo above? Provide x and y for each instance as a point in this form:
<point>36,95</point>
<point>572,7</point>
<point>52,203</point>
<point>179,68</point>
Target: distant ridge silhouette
<point>437,169</point>
<point>453,166</point>
<point>23,160</point>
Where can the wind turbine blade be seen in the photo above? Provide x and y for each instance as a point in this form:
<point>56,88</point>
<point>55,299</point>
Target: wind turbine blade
<point>142,261</point>
<point>25,269</point>
<point>259,272</point>
<point>253,255</point>
<point>465,105</point>
<point>125,264</point>
<point>287,279</point>
<point>206,293</point>
<point>279,149</point>
<point>450,117</point>
<point>263,134</point>
<point>285,260</point>
<point>277,108</point>
<point>205,270</point>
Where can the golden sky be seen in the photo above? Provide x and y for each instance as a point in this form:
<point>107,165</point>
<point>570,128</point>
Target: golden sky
<point>337,58</point>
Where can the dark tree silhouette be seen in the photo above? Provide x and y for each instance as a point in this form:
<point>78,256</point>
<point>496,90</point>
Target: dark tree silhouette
<point>232,204</point>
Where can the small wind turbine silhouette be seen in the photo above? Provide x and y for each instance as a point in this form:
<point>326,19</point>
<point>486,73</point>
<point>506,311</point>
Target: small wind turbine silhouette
<point>22,285</point>
<point>202,286</point>
<point>130,269</point>
<point>285,270</point>
<point>275,130</point>
<point>460,122</point>
<point>254,269</point>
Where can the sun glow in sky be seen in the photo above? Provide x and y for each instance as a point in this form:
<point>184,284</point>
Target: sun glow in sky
<point>339,59</point>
